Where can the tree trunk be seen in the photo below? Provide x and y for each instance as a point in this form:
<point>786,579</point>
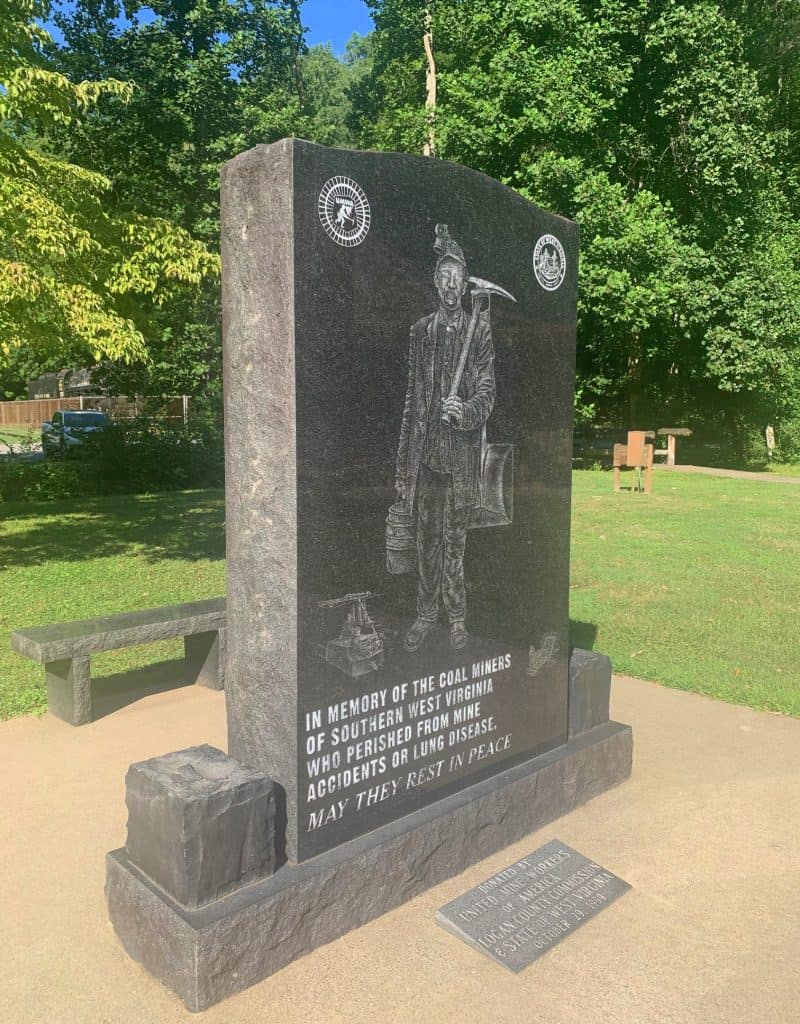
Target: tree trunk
<point>429,149</point>
<point>634,382</point>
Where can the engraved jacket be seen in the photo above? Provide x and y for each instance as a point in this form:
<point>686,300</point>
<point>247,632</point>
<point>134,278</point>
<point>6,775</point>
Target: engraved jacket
<point>477,391</point>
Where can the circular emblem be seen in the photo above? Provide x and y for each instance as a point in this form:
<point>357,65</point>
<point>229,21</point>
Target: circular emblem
<point>344,211</point>
<point>549,262</point>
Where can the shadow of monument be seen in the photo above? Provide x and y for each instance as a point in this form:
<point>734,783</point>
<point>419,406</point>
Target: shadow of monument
<point>582,635</point>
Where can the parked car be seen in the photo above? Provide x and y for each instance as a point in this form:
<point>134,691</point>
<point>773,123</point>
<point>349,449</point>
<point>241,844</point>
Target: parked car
<point>69,429</point>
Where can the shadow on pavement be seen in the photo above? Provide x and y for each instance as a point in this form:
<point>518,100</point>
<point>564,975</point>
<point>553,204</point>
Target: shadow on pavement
<point>113,692</point>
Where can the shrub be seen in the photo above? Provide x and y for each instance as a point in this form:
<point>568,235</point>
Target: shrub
<point>129,457</point>
<point>787,440</point>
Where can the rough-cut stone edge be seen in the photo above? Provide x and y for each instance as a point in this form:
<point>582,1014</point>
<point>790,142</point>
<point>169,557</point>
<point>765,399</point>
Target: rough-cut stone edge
<point>257,235</point>
<point>111,632</point>
<point>193,856</point>
<point>211,953</point>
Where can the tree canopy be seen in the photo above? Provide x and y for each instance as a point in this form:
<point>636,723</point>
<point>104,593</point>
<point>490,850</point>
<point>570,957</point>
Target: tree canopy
<point>210,79</point>
<point>78,279</point>
<point>669,131</point>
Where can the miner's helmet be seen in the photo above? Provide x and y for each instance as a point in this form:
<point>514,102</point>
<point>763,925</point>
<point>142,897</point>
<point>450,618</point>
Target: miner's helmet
<point>446,247</point>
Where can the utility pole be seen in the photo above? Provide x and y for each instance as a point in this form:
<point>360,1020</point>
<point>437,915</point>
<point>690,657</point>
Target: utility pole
<point>429,149</point>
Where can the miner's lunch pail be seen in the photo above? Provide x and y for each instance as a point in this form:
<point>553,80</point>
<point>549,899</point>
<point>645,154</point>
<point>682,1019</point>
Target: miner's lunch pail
<point>401,540</point>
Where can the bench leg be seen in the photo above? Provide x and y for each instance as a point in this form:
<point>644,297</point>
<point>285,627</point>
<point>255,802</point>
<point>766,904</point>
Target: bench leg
<point>205,659</point>
<point>69,690</point>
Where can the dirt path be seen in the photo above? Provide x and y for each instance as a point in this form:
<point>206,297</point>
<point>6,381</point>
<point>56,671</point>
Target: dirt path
<point>705,832</point>
<point>739,474</point>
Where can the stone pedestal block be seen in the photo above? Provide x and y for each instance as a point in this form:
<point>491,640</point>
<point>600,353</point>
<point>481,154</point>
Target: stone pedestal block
<point>589,690</point>
<point>207,954</point>
<point>200,824</point>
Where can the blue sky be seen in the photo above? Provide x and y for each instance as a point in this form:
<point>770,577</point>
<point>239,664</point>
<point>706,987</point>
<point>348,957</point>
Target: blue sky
<point>326,21</point>
<point>334,21</point>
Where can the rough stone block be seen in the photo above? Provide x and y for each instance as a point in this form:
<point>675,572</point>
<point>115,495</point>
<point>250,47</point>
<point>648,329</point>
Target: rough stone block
<point>200,824</point>
<point>589,690</point>
<point>207,954</point>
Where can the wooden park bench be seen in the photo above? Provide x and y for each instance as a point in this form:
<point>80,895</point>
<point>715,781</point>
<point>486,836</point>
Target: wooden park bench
<point>65,649</point>
<point>672,434</point>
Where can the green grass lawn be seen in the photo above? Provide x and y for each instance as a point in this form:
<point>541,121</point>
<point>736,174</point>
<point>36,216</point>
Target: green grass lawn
<point>77,559</point>
<point>695,586</point>
<point>14,434</point>
<point>784,468</point>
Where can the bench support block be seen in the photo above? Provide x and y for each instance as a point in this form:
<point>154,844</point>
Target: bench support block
<point>69,690</point>
<point>205,659</point>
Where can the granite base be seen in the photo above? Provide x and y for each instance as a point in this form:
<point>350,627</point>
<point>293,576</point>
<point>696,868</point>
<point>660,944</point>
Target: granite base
<point>207,954</point>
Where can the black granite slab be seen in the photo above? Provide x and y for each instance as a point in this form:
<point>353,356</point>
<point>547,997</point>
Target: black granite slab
<point>515,916</point>
<point>328,297</point>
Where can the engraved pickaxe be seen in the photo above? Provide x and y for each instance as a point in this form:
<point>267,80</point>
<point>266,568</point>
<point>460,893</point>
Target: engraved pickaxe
<point>480,290</point>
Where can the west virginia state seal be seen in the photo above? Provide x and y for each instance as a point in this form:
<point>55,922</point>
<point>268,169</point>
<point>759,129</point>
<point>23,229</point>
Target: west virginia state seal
<point>549,262</point>
<point>344,211</point>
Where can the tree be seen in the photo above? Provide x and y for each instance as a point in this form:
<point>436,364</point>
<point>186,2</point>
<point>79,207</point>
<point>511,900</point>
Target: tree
<point>328,82</point>
<point>79,281</point>
<point>209,80</point>
<point>657,127</point>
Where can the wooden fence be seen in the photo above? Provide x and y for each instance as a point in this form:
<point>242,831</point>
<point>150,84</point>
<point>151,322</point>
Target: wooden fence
<point>34,413</point>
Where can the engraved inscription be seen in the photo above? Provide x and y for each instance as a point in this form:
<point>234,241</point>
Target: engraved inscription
<point>518,914</point>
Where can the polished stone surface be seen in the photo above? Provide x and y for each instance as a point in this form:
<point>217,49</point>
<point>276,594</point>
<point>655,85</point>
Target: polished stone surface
<point>328,300</point>
<point>519,913</point>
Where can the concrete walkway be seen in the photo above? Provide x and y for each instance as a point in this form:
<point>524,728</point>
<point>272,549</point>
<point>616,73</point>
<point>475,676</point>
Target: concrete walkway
<point>737,474</point>
<point>705,831</point>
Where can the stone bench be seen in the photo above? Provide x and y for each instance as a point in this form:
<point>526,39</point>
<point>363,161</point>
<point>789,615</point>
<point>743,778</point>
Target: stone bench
<point>65,649</point>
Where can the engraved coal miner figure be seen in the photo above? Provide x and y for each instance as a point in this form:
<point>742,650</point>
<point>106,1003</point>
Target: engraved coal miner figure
<point>450,395</point>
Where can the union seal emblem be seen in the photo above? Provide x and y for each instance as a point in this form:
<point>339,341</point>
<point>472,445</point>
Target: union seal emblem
<point>549,262</point>
<point>344,211</point>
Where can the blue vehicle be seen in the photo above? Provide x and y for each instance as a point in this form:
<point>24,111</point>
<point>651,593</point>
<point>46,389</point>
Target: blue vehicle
<point>68,429</point>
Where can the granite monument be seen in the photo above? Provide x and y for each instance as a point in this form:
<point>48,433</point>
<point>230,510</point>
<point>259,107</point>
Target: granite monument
<point>399,347</point>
